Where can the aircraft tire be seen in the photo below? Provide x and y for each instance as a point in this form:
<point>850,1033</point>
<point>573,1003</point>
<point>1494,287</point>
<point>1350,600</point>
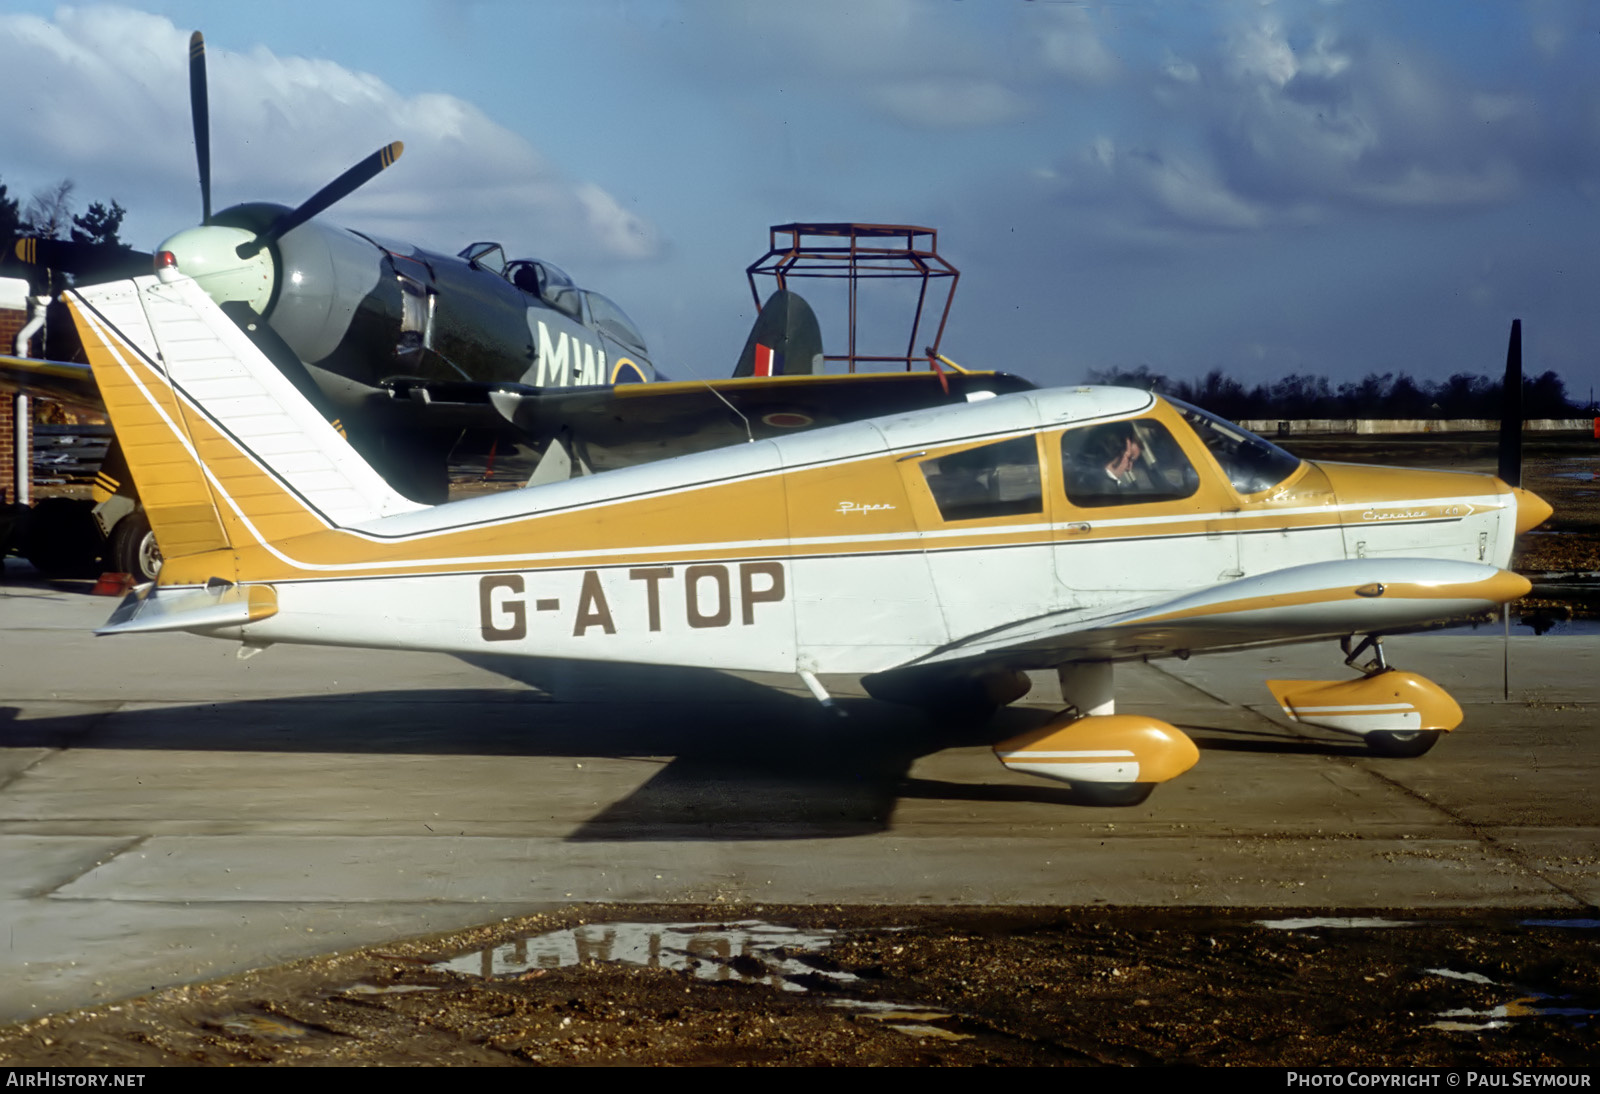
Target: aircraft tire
<point>1414,743</point>
<point>59,536</point>
<point>1112,794</point>
<point>134,549</point>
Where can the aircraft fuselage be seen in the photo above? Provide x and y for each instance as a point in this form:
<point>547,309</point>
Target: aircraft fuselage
<point>363,311</point>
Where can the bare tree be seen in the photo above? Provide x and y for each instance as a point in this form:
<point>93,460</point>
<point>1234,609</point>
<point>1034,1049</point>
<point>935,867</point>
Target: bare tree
<point>49,211</point>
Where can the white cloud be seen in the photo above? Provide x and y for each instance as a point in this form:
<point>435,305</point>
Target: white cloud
<point>1260,51</point>
<point>101,95</point>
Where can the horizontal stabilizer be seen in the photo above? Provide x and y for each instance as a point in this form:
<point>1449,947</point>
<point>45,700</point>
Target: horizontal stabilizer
<point>218,605</point>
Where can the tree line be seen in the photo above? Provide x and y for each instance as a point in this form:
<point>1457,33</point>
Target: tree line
<point>1385,395</point>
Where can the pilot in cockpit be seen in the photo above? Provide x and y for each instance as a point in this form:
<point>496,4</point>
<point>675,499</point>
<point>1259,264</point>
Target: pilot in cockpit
<point>1106,459</point>
<point>526,278</point>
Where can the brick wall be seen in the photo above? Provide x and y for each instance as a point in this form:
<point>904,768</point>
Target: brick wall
<point>11,322</point>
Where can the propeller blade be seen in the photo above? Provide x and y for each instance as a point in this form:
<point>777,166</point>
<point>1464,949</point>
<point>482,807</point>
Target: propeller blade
<point>340,188</point>
<point>1511,410</point>
<point>200,110</point>
<point>83,259</point>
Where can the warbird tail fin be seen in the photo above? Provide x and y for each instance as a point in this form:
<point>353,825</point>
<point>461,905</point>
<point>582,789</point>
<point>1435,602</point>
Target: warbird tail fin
<point>785,340</point>
<point>223,448</point>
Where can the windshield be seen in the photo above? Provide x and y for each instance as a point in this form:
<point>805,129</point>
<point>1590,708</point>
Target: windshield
<point>1251,463</point>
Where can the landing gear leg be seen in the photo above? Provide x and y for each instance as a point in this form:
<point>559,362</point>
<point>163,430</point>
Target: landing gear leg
<point>1374,642</point>
<point>1394,743</point>
<point>1089,687</point>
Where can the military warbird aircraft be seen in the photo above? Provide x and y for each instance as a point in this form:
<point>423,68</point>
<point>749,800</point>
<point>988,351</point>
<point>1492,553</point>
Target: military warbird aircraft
<point>416,355</point>
<point>939,552</point>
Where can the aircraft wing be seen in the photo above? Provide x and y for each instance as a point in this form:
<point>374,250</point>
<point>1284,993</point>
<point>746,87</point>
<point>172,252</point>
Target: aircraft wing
<point>638,423</point>
<point>63,381</point>
<point>1297,604</point>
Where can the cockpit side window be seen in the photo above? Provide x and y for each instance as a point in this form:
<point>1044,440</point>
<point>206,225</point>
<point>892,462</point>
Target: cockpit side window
<point>610,320</point>
<point>564,298</point>
<point>1125,463</point>
<point>1251,463</point>
<point>549,283</point>
<point>995,480</point>
<point>485,255</point>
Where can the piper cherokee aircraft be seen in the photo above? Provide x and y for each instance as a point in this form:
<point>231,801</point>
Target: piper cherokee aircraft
<point>940,552</point>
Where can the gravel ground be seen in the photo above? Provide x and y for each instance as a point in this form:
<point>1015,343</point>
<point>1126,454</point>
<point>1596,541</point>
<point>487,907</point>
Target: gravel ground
<point>875,986</point>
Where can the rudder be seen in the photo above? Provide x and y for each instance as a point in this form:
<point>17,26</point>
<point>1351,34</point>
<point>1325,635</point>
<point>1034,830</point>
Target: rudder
<point>224,450</point>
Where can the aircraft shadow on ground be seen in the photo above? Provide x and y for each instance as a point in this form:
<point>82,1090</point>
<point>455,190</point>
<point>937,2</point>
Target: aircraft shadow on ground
<point>743,761</point>
<point>1277,741</point>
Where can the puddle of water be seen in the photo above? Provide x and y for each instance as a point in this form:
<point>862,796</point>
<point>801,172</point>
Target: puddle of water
<point>917,1029</point>
<point>1337,922</point>
<point>268,1026</point>
<point>1522,626</point>
<point>392,989</point>
<point>1469,977</point>
<point>912,1021</point>
<point>750,950</point>
<point>1572,924</point>
<point>1530,1005</point>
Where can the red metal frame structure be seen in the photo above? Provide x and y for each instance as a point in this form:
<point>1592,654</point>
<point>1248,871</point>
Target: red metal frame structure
<point>860,252</point>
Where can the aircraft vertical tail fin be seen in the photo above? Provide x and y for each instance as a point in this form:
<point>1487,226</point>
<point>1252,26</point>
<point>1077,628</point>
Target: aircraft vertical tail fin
<point>785,340</point>
<point>223,448</point>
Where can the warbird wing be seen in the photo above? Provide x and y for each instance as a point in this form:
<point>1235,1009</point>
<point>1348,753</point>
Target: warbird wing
<point>63,381</point>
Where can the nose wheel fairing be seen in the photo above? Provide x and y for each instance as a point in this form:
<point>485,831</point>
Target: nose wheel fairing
<point>1395,713</point>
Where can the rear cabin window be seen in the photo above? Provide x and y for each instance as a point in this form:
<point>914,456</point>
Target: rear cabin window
<point>996,480</point>
<point>1124,463</point>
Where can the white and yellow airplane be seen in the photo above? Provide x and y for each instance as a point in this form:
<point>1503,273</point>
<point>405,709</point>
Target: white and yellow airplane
<point>938,553</point>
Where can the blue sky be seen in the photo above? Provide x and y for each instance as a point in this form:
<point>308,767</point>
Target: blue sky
<point>1262,187</point>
